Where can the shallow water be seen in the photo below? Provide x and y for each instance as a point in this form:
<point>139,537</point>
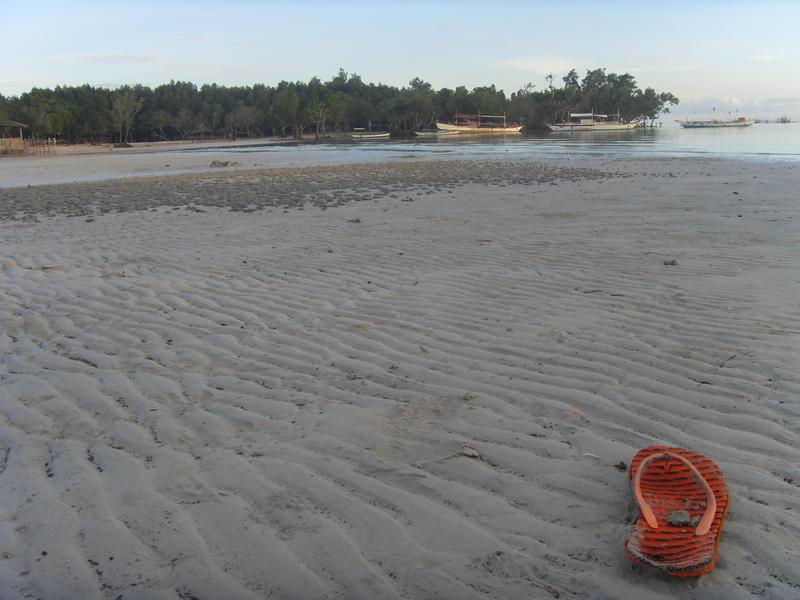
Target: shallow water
<point>762,141</point>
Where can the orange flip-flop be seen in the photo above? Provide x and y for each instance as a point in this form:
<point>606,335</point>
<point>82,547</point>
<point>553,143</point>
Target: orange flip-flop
<point>683,500</point>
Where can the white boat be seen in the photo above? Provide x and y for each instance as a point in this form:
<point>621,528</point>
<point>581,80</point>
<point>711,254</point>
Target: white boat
<point>478,124</point>
<point>369,135</point>
<point>592,122</point>
<point>740,122</point>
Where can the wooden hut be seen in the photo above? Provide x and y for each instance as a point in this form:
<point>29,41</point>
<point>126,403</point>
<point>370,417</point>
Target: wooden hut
<point>12,142</point>
<point>15,124</point>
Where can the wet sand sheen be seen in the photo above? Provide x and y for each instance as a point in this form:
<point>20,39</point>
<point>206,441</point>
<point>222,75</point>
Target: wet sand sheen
<point>393,381</point>
<point>256,189</point>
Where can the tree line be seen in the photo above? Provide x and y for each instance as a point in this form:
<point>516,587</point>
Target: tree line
<point>180,110</point>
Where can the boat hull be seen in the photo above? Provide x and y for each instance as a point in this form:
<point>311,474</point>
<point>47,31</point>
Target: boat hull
<point>472,129</point>
<point>434,132</point>
<point>706,124</point>
<point>377,135</point>
<point>594,127</point>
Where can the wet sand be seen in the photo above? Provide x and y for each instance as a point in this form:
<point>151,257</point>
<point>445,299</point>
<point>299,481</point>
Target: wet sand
<point>410,380</point>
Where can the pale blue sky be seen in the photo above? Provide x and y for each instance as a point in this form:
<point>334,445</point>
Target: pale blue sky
<point>727,55</point>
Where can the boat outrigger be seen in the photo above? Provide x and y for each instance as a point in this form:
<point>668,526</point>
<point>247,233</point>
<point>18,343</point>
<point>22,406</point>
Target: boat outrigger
<point>435,132</point>
<point>478,124</point>
<point>592,122</point>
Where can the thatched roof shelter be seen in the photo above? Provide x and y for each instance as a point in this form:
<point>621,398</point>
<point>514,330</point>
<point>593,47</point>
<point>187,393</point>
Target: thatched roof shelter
<point>7,123</point>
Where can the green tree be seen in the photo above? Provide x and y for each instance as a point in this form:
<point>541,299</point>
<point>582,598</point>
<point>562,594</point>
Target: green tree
<point>161,123</point>
<point>523,106</point>
<point>338,103</point>
<point>243,121</point>
<point>179,109</point>
<point>650,104</point>
<point>318,114</point>
<point>285,107</point>
<point>592,90</point>
<point>125,105</point>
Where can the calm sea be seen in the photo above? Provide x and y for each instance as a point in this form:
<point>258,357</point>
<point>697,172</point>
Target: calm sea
<point>761,141</point>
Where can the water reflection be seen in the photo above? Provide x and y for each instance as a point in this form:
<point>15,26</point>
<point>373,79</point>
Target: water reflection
<point>762,140</point>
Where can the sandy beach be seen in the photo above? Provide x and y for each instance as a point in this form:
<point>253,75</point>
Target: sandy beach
<point>417,379</point>
<point>66,163</point>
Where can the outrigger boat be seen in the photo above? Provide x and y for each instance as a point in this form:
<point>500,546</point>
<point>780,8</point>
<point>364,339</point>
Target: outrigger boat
<point>592,122</point>
<point>740,122</point>
<point>478,124</point>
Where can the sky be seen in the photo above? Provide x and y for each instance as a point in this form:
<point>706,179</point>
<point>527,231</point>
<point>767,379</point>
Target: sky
<point>714,56</point>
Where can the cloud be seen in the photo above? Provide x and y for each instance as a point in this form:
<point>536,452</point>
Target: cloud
<point>561,66</point>
<point>17,87</point>
<point>768,57</point>
<point>249,45</point>
<point>679,68</point>
<point>116,57</point>
<point>541,66</point>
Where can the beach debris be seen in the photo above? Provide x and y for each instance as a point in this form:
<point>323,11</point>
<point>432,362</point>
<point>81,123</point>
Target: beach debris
<point>685,477</point>
<point>679,517</point>
<point>217,164</point>
<point>621,466</point>
<point>590,455</point>
<point>468,451</point>
<point>671,262</point>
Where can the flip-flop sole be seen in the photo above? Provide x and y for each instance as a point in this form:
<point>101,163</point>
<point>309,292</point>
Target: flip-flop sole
<point>677,501</point>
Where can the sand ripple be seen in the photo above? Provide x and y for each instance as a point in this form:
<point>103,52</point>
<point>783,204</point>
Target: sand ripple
<point>274,404</point>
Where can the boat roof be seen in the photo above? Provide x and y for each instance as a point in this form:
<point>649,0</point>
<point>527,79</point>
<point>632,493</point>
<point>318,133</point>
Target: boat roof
<point>586,115</point>
<point>480,115</point>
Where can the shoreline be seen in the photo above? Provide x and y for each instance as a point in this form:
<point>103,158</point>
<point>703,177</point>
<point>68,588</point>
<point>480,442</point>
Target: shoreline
<point>86,163</point>
<point>65,149</point>
<point>394,380</point>
<point>83,163</point>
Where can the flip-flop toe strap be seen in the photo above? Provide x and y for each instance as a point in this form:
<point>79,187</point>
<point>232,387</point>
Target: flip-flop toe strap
<point>649,516</point>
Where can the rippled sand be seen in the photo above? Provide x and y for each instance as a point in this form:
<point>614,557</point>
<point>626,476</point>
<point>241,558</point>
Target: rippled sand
<point>409,380</point>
